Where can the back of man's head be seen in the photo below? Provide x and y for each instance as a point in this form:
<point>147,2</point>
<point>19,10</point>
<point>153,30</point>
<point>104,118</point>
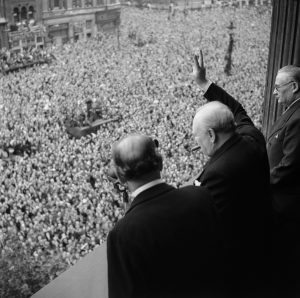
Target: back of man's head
<point>135,157</point>
<point>214,115</point>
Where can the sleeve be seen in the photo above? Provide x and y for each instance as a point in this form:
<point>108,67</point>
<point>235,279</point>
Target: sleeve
<point>288,169</point>
<point>215,92</point>
<point>245,126</point>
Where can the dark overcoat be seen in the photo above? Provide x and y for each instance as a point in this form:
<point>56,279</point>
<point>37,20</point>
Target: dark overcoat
<point>167,245</point>
<point>237,176</point>
<point>283,147</point>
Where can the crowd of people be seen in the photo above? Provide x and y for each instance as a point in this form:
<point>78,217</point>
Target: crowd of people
<point>11,60</point>
<point>58,199</point>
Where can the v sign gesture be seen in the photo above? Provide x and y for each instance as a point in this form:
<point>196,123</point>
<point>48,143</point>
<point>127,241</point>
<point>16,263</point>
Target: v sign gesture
<point>199,70</point>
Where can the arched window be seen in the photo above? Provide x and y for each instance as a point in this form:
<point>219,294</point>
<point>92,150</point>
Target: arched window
<point>16,15</point>
<point>23,13</point>
<point>31,13</point>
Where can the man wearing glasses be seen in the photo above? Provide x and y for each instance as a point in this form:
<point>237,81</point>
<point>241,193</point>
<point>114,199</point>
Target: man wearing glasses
<point>283,147</point>
<point>283,144</point>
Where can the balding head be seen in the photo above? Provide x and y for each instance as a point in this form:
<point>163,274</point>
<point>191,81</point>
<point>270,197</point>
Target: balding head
<point>135,157</point>
<point>213,124</point>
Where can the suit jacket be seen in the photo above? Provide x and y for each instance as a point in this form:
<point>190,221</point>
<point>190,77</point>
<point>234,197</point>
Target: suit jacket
<point>167,245</point>
<point>283,147</point>
<point>237,176</point>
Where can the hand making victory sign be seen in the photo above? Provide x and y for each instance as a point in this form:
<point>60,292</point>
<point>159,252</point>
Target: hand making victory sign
<point>199,70</point>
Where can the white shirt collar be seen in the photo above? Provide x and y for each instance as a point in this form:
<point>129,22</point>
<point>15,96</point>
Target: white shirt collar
<point>145,187</point>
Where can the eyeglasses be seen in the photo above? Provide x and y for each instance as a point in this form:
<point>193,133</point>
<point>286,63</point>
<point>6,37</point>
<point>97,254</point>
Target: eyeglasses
<point>279,86</point>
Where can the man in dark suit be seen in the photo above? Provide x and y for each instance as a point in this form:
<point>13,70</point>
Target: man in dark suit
<point>168,243</point>
<point>237,176</point>
<point>283,147</point>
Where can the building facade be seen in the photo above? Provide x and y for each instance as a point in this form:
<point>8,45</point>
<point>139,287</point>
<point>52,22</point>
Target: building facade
<point>79,19</point>
<point>27,23</point>
<point>3,28</point>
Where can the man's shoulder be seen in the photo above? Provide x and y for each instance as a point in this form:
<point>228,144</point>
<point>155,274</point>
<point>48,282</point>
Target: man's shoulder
<point>193,191</point>
<point>197,196</point>
<point>294,115</point>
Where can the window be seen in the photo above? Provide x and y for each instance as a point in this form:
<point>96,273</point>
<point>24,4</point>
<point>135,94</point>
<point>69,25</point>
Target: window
<point>56,3</point>
<point>23,13</point>
<point>88,24</point>
<point>16,15</point>
<point>100,2</point>
<point>76,3</point>
<point>31,13</point>
<point>88,3</point>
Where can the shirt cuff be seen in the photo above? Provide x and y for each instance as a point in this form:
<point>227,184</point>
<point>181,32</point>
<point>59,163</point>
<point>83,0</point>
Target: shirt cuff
<point>206,86</point>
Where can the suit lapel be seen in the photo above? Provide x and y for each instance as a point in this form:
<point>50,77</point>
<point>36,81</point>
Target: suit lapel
<point>284,118</point>
<point>150,194</point>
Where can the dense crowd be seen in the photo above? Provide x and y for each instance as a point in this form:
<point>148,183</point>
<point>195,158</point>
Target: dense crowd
<point>58,199</point>
<point>11,60</point>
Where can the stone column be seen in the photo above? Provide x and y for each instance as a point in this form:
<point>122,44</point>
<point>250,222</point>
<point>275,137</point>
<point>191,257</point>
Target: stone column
<point>284,49</point>
<point>45,5</point>
<point>71,31</point>
<point>51,5</point>
<point>69,4</point>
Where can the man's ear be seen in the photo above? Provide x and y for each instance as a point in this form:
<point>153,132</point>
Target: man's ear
<point>212,135</point>
<point>296,87</point>
<point>120,175</point>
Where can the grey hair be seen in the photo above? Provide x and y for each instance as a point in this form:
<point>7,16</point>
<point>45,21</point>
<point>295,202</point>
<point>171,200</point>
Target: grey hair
<point>292,71</point>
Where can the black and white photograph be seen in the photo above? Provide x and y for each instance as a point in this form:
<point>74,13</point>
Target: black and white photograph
<point>149,148</point>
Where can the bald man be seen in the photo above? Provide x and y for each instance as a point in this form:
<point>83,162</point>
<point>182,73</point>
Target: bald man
<point>168,243</point>
<point>237,176</point>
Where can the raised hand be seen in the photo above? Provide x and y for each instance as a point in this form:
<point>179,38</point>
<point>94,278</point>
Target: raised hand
<point>199,70</point>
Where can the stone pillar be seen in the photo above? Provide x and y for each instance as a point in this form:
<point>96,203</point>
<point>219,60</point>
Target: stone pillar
<point>284,49</point>
<point>69,4</point>
<point>71,32</point>
<point>51,5</point>
<point>45,5</point>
